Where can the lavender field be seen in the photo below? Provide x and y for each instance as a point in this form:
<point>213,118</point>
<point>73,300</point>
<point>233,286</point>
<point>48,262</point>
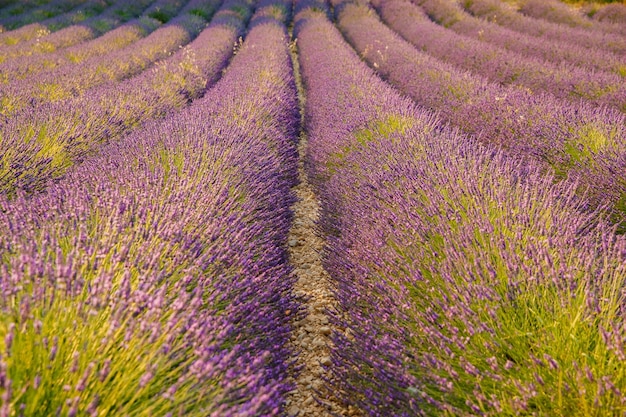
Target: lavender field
<point>312,208</point>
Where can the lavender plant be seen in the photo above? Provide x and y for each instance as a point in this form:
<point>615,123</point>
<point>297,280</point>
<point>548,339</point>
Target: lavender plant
<point>505,15</point>
<point>468,282</point>
<point>554,11</point>
<point>45,27</point>
<point>115,39</point>
<point>450,14</point>
<point>112,40</point>
<point>611,13</point>
<point>165,255</point>
<point>576,141</point>
<point>40,146</point>
<point>557,12</point>
<point>51,9</point>
<point>72,35</point>
<point>567,82</point>
<point>68,82</point>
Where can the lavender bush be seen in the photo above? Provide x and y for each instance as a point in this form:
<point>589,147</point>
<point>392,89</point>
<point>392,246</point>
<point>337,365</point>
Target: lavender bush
<point>554,11</point>
<point>74,34</point>
<point>166,257</point>
<point>557,12</point>
<point>498,65</point>
<point>29,12</point>
<point>576,141</point>
<point>468,283</point>
<point>450,14</point>
<point>65,83</point>
<point>47,26</point>
<point>118,38</point>
<point>41,145</point>
<point>611,13</point>
<point>505,15</point>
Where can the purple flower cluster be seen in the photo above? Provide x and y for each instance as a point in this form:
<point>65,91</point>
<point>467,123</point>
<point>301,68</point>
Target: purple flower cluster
<point>152,279</point>
<point>565,81</point>
<point>66,82</point>
<point>468,282</point>
<point>611,13</point>
<point>45,27</point>
<point>554,11</point>
<point>577,141</point>
<point>28,12</point>
<point>69,130</point>
<point>83,29</point>
<point>450,14</point>
<point>115,39</point>
<point>505,15</point>
<point>558,12</point>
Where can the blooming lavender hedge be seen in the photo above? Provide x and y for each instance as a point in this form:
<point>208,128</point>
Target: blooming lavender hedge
<point>29,7</point>
<point>505,15</point>
<point>45,27</point>
<point>611,13</point>
<point>115,39</point>
<point>557,12</point>
<point>450,14</point>
<point>63,83</point>
<point>40,146</point>
<point>469,283</point>
<point>564,81</point>
<point>30,12</point>
<point>84,30</point>
<point>165,257</point>
<point>577,141</point>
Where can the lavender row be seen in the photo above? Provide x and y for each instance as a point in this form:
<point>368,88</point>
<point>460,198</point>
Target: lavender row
<point>451,15</point>
<point>556,12</point>
<point>39,146</point>
<point>566,82</point>
<point>20,14</point>
<point>45,27</point>
<point>74,34</point>
<point>468,284</point>
<point>505,15</point>
<point>576,141</point>
<point>611,13</point>
<point>166,256</point>
<point>67,82</point>
<point>111,41</point>
<point>24,7</point>
<point>115,39</point>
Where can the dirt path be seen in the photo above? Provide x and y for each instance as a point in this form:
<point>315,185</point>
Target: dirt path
<point>311,335</point>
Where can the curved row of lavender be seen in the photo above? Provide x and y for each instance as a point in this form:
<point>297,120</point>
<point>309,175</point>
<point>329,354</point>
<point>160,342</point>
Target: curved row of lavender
<point>469,284</point>
<point>29,12</point>
<point>577,141</point>
<point>23,9</point>
<point>76,33</point>
<point>505,15</point>
<point>47,26</point>
<point>67,82</point>
<point>152,280</point>
<point>557,12</point>
<point>564,81</point>
<point>450,14</point>
<point>39,146</point>
<point>116,38</point>
<point>611,13</point>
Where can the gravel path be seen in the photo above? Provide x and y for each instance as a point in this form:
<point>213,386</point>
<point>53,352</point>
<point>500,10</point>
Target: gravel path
<point>311,335</point>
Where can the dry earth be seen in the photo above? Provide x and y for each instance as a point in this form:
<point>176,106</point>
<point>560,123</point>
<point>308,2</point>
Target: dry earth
<point>311,336</point>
